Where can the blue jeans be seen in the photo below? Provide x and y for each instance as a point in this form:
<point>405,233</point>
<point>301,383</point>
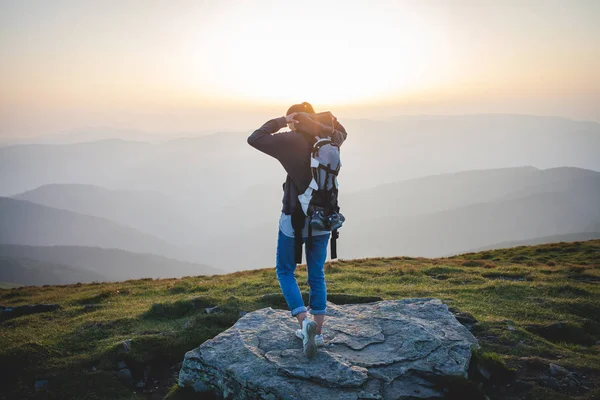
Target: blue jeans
<point>315,261</point>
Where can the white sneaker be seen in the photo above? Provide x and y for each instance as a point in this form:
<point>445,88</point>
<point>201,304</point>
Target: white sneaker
<point>318,337</point>
<point>309,331</point>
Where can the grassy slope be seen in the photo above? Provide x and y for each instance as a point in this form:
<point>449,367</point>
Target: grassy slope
<point>77,350</point>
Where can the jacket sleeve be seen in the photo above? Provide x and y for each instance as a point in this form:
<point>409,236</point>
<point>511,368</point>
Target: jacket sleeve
<point>263,138</point>
<point>339,134</point>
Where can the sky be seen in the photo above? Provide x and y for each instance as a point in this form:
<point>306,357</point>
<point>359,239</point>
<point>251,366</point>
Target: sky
<point>176,67</point>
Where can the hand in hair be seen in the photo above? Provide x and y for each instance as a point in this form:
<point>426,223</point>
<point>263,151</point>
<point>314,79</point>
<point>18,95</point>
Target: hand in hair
<point>320,124</point>
<point>290,118</point>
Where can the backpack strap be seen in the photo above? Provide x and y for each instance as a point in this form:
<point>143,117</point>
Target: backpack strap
<point>334,235</point>
<point>298,225</point>
<point>309,240</point>
<point>320,142</point>
<point>329,170</point>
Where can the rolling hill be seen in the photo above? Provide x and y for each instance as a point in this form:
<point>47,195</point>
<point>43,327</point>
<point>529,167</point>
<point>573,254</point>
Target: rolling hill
<point>433,216</point>
<point>567,238</point>
<point>25,223</point>
<point>443,192</point>
<point>28,272</point>
<point>196,199</point>
<point>526,306</point>
<point>107,264</point>
<point>430,216</point>
<point>478,225</point>
<point>399,149</point>
<point>150,212</point>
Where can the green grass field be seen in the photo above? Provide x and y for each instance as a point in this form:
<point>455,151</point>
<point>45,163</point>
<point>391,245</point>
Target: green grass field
<point>513,293</point>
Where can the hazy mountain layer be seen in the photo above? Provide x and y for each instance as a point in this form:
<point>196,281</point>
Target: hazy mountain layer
<point>216,200</point>
<point>213,168</point>
<point>439,215</point>
<point>26,223</point>
<point>26,271</point>
<point>431,216</point>
<point>478,225</point>
<point>567,238</point>
<point>448,191</point>
<point>103,264</point>
<point>149,212</point>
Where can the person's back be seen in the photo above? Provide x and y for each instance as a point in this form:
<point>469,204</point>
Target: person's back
<point>293,149</point>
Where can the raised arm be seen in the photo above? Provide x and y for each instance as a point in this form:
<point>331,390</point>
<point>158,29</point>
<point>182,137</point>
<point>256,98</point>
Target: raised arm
<point>263,138</point>
<point>339,134</point>
<point>322,124</point>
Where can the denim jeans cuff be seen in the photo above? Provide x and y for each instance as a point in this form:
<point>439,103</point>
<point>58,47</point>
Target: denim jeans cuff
<point>318,312</point>
<point>298,310</point>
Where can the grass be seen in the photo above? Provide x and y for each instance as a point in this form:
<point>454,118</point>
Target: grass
<point>78,348</point>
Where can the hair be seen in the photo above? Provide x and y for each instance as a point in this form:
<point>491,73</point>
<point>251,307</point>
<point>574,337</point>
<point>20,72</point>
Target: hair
<point>304,107</point>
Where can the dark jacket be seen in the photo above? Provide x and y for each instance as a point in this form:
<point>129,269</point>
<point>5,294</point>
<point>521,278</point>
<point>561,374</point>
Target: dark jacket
<point>292,149</point>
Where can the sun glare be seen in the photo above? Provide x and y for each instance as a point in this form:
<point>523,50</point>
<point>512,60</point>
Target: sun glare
<point>343,60</point>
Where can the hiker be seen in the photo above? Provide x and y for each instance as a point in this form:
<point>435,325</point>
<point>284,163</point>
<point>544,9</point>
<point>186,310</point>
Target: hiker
<point>293,150</point>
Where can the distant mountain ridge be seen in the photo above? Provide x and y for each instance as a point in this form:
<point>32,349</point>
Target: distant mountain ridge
<point>447,191</point>
<point>102,133</point>
<point>430,216</point>
<point>435,216</point>
<point>149,212</point>
<point>571,237</point>
<point>415,146</point>
<point>85,264</point>
<point>27,223</point>
<point>215,200</point>
<point>461,229</point>
<point>28,272</point>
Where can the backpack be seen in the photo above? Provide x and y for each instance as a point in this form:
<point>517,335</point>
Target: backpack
<point>319,202</point>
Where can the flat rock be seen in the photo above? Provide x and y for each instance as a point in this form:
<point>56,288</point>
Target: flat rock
<point>464,318</point>
<point>327,368</point>
<point>384,350</point>
<point>557,370</point>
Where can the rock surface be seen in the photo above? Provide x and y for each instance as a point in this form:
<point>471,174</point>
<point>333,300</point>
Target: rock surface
<point>126,345</point>
<point>386,350</point>
<point>125,375</point>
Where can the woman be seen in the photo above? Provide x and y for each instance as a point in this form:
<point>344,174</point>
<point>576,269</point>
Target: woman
<point>293,149</point>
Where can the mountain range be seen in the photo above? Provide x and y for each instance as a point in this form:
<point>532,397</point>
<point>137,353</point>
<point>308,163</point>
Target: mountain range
<point>212,168</point>
<point>214,201</point>
<point>36,265</point>
<point>431,216</point>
